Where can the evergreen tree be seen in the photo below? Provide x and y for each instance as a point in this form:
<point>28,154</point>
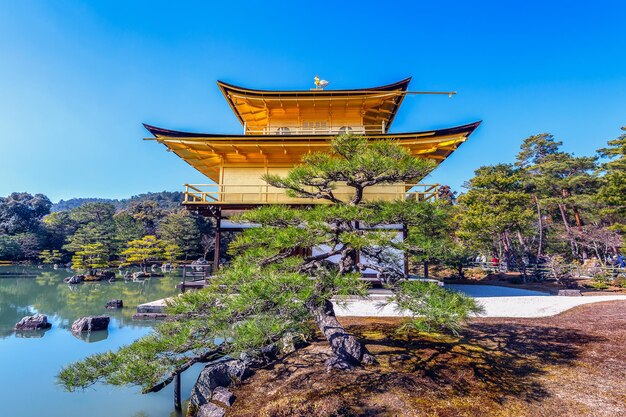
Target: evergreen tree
<point>141,251</point>
<point>184,230</point>
<point>94,225</point>
<point>50,256</point>
<point>495,215</point>
<point>275,285</point>
<point>612,192</point>
<point>560,182</point>
<point>91,256</point>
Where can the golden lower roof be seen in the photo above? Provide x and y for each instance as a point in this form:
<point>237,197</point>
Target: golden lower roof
<point>209,152</point>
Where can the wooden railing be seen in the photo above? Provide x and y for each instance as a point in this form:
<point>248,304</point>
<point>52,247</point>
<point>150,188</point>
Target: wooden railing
<point>199,194</point>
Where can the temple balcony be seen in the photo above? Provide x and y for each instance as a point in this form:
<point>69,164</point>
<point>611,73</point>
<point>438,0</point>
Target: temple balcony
<point>254,194</point>
<point>314,129</point>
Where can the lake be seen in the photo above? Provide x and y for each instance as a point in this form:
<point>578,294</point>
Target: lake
<point>29,364</point>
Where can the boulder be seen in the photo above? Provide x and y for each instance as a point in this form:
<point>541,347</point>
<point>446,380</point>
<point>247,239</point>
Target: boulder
<point>199,265</point>
<point>140,275</point>
<point>218,374</point>
<point>107,276</point>
<point>75,279</point>
<point>114,304</point>
<point>210,410</point>
<point>570,293</point>
<point>35,322</point>
<point>211,377</point>
<point>287,344</point>
<point>223,395</point>
<point>90,324</point>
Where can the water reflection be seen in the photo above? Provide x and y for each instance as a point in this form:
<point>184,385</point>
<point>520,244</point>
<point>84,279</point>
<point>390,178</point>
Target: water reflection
<point>92,337</point>
<point>25,291</point>
<point>31,333</point>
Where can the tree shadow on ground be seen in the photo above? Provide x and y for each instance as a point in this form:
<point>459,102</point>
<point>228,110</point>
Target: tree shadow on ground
<point>487,364</point>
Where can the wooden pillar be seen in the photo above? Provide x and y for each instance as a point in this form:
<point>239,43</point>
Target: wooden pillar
<point>218,235</point>
<point>425,269</point>
<point>177,402</point>
<point>405,234</point>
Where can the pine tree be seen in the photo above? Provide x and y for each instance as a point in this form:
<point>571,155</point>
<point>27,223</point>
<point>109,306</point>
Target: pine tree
<point>141,251</point>
<point>286,272</point>
<point>612,192</point>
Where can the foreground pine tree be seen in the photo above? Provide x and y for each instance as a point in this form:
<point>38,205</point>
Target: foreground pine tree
<point>276,285</point>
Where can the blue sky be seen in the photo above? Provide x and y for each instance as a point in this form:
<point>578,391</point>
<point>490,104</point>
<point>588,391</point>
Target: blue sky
<point>77,79</point>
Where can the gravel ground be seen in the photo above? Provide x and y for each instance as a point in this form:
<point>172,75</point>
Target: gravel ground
<point>523,306</point>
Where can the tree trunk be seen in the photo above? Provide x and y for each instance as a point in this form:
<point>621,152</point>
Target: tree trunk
<point>540,225</point>
<point>579,225</point>
<point>348,351</point>
<point>568,230</point>
<point>177,402</point>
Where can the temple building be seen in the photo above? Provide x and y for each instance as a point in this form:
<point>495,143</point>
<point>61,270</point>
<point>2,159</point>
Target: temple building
<point>278,128</point>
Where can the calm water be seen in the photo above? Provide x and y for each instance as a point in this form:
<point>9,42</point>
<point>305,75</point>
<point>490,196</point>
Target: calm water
<point>28,365</point>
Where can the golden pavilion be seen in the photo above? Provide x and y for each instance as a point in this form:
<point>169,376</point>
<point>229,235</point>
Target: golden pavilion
<point>279,127</point>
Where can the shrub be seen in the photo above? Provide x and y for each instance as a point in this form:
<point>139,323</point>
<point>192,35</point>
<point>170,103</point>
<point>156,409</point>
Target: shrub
<point>599,283</point>
<point>620,282</point>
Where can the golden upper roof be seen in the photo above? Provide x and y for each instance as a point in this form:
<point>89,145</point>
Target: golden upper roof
<point>263,112</point>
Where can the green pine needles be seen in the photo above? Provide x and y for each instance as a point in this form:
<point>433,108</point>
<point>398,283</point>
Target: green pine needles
<point>287,271</point>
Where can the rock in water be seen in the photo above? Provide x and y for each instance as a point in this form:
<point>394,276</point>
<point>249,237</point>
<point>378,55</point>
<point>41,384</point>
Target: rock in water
<point>36,322</point>
<point>113,304</point>
<point>223,395</point>
<point>90,324</point>
<point>75,279</point>
<point>140,275</point>
<point>107,276</point>
<point>210,410</point>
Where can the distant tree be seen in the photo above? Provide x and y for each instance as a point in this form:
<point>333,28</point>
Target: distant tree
<point>126,228</point>
<point>148,213</point>
<point>30,244</point>
<point>560,182</point>
<point>141,251</point>
<point>433,238</point>
<point>22,212</point>
<point>10,249</point>
<point>445,194</point>
<point>172,252</point>
<point>165,200</point>
<point>50,257</point>
<point>612,191</point>
<point>90,257</point>
<point>58,227</point>
<point>184,230</point>
<point>495,214</point>
<point>94,224</point>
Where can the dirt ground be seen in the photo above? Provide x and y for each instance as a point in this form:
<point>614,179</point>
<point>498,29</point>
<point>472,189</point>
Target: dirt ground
<point>573,364</point>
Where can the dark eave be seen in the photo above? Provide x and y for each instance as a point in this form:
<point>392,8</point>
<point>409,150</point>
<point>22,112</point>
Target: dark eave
<point>158,132</point>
